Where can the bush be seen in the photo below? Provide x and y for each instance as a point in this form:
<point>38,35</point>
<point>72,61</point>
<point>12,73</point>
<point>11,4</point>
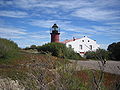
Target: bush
<point>7,48</point>
<point>90,55</point>
<point>114,50</point>
<point>33,47</point>
<point>26,48</point>
<point>72,55</point>
<point>102,54</point>
<point>59,50</point>
<point>98,54</point>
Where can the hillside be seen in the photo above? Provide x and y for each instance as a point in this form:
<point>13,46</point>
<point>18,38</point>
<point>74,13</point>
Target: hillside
<point>45,72</point>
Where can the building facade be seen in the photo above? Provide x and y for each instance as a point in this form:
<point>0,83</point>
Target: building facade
<point>82,45</point>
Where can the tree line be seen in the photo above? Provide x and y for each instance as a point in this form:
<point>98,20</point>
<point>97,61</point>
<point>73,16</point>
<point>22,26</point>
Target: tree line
<point>9,48</point>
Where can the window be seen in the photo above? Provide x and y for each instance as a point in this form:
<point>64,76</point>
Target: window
<point>82,40</point>
<point>88,41</point>
<point>81,47</point>
<point>70,46</point>
<point>90,47</point>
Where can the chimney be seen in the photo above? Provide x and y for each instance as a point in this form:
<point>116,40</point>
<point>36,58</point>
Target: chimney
<point>73,38</point>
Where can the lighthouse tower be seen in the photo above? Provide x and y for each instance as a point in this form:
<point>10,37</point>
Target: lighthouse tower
<point>55,33</point>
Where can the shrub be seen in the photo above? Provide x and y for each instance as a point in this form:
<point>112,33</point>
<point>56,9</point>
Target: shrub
<point>98,54</point>
<point>59,50</point>
<point>26,48</point>
<point>102,54</point>
<point>33,47</point>
<point>72,55</point>
<point>7,48</point>
<point>90,55</point>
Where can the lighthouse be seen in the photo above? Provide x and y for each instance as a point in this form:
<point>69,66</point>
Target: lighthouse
<point>55,33</point>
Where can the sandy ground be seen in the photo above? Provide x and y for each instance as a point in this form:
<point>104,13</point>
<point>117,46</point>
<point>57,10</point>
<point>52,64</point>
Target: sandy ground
<point>110,66</point>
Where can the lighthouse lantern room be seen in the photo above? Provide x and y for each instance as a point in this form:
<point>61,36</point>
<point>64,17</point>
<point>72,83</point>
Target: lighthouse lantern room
<point>55,33</point>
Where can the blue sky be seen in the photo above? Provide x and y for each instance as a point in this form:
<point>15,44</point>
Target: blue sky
<point>28,22</point>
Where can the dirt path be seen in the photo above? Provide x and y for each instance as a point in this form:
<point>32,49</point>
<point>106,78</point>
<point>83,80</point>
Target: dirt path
<point>111,66</point>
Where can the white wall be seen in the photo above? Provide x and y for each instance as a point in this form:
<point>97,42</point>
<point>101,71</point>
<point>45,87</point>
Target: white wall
<point>85,42</point>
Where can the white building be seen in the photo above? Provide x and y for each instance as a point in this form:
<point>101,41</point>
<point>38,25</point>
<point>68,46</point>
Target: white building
<point>82,45</point>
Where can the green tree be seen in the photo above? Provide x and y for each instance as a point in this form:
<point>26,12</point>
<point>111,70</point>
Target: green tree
<point>26,48</point>
<point>102,54</point>
<point>59,50</point>
<point>33,47</point>
<point>98,54</point>
<point>90,55</point>
<point>114,50</point>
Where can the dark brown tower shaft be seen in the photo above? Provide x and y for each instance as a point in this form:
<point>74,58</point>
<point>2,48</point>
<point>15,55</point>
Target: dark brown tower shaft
<point>55,34</point>
<point>55,37</point>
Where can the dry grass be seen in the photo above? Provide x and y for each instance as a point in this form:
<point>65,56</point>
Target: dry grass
<point>109,81</point>
<point>39,72</point>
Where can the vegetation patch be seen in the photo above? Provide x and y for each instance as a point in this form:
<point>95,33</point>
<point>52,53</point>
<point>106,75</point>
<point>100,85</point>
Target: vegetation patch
<point>8,49</point>
<point>59,50</point>
<point>97,55</point>
<point>114,50</point>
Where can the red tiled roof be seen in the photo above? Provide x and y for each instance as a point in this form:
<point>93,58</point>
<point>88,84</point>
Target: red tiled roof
<point>66,41</point>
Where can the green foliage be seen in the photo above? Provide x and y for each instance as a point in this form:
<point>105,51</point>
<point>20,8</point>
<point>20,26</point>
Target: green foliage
<point>33,47</point>
<point>90,55</point>
<point>72,55</point>
<point>98,54</point>
<point>102,54</point>
<point>26,48</point>
<point>59,50</point>
<point>74,83</point>
<point>114,50</point>
<point>7,48</point>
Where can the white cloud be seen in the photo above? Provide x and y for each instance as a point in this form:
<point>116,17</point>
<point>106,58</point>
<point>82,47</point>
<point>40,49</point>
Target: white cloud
<point>5,3</point>
<point>29,41</point>
<point>48,23</point>
<point>43,23</point>
<point>104,46</point>
<point>63,25</point>
<point>95,14</point>
<point>65,4</point>
<point>40,36</point>
<point>62,12</point>
<point>106,3</point>
<point>24,38</point>
<point>109,29</point>
<point>10,36</point>
<point>112,32</point>
<point>27,4</point>
<point>92,10</point>
<point>113,23</point>
<point>14,14</point>
<point>12,32</point>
